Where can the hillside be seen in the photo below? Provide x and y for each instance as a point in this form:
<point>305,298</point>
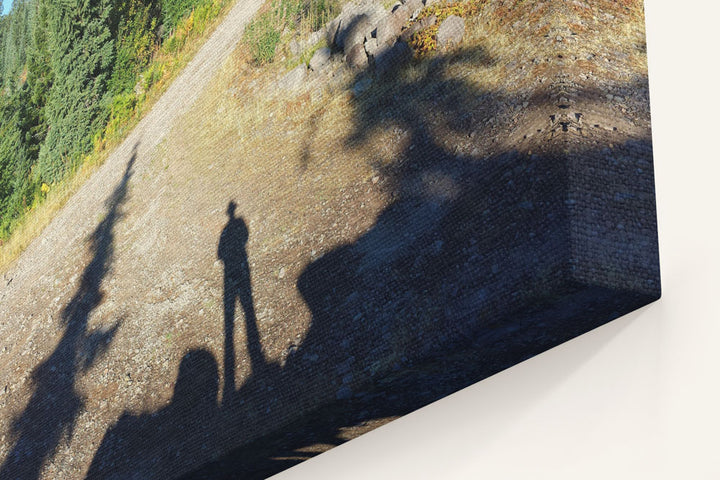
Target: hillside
<point>327,242</point>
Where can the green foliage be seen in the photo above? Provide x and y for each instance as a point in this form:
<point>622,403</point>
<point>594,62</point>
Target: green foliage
<point>121,109</point>
<point>16,37</point>
<point>81,57</point>
<point>16,185</point>
<point>264,34</point>
<point>173,11</point>
<point>205,12</point>
<point>73,74</point>
<point>39,80</point>
<point>318,12</point>
<point>3,36</point>
<point>136,37</point>
<point>130,95</point>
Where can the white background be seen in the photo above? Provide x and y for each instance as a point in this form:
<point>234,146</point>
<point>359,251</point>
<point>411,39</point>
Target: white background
<point>637,398</point>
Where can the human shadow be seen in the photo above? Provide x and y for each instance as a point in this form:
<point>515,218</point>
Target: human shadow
<point>469,270</point>
<point>237,286</point>
<point>55,403</point>
<point>195,425</point>
<point>150,445</point>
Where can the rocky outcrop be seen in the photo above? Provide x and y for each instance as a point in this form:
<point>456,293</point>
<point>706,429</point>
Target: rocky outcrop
<point>389,58</point>
<point>365,36</point>
<point>320,59</point>
<point>417,27</point>
<point>414,6</point>
<point>357,58</point>
<point>451,32</point>
<point>349,20</point>
<point>358,29</point>
<point>389,28</point>
<point>293,79</point>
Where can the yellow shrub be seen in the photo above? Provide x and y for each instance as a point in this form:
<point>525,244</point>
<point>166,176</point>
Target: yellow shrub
<point>425,41</point>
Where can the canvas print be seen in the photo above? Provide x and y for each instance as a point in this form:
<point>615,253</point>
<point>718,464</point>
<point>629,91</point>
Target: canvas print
<point>236,234</point>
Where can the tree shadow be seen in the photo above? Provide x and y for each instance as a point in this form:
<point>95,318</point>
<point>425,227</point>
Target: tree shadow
<point>51,413</point>
<point>473,267</point>
<point>476,264</point>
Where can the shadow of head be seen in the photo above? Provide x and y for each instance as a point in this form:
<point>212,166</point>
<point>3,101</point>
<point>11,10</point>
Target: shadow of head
<point>198,380</point>
<point>232,206</point>
<point>234,236</point>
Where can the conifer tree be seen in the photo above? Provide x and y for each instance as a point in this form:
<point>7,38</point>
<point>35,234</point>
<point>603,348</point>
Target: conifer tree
<point>81,57</point>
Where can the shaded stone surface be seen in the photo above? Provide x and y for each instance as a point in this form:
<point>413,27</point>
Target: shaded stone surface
<point>389,29</point>
<point>414,7</point>
<point>357,58</point>
<point>356,19</point>
<point>389,58</point>
<point>355,32</point>
<point>371,47</point>
<point>320,59</point>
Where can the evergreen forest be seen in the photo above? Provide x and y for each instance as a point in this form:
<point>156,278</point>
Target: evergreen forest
<point>72,75</point>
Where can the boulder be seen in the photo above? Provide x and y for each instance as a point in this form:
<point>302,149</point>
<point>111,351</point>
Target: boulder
<point>295,48</point>
<point>391,57</point>
<point>315,37</point>
<point>331,31</point>
<point>451,32</point>
<point>402,13</point>
<point>418,27</point>
<point>353,32</point>
<point>139,88</point>
<point>320,59</point>
<point>356,57</point>
<point>371,46</point>
<point>293,79</point>
<point>348,19</point>
<point>414,6</point>
<point>389,28</point>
